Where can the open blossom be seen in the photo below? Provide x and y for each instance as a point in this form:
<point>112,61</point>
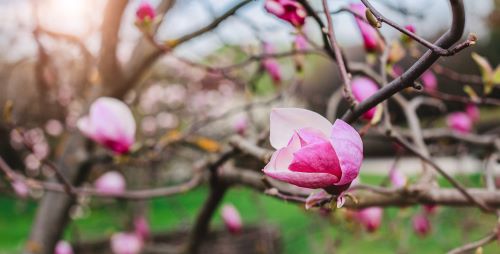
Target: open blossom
<point>371,40</point>
<point>311,153</point>
<point>271,65</point>
<point>421,224</point>
<point>111,183</point>
<point>231,218</point>
<point>370,218</point>
<point>145,12</point>
<point>289,10</point>
<point>141,227</point>
<point>429,81</point>
<point>63,247</point>
<point>362,88</point>
<point>126,243</point>
<point>109,123</point>
<point>459,122</point>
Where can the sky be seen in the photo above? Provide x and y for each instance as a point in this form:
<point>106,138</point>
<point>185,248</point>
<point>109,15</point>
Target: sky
<point>80,17</point>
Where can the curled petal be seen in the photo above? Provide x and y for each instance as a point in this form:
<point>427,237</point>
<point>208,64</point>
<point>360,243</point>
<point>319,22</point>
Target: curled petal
<point>286,121</point>
<point>349,149</point>
<point>316,158</point>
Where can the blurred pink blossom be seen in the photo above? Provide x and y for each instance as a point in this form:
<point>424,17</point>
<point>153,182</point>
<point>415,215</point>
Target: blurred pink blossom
<point>271,65</point>
<point>369,34</point>
<point>472,111</point>
<point>145,12</point>
<point>63,247</point>
<point>398,179</point>
<point>430,209</point>
<point>141,227</point>
<point>311,153</point>
<point>370,218</point>
<point>126,243</point>
<point>421,224</point>
<point>148,125</point>
<point>240,125</point>
<point>20,188</point>
<point>32,162</point>
<point>363,88</point>
<point>289,10</point>
<point>429,81</point>
<point>231,218</point>
<point>54,127</point>
<point>110,123</point>
<point>110,183</point>
<point>459,122</point>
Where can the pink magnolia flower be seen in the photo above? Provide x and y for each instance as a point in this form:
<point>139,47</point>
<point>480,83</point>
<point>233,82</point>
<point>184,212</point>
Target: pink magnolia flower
<point>110,123</point>
<point>362,88</point>
<point>429,81</point>
<point>421,224</point>
<point>289,10</point>
<point>111,183</point>
<point>311,153</point>
<point>370,218</point>
<point>370,36</point>
<point>472,111</point>
<point>145,12</point>
<point>126,243</point>
<point>459,122</point>
<point>231,218</point>
<point>141,227</point>
<point>271,65</point>
<point>20,188</point>
<point>63,247</point>
<point>397,178</point>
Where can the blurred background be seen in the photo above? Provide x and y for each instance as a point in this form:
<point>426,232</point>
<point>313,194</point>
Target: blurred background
<point>51,67</point>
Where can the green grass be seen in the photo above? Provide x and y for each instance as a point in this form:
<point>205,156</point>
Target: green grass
<point>303,231</point>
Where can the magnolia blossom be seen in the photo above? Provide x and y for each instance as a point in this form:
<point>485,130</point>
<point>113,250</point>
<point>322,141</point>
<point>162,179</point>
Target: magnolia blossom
<point>311,153</point>
<point>126,243</point>
<point>145,12</point>
<point>141,227</point>
<point>370,218</point>
<point>429,81</point>
<point>289,10</point>
<point>63,247</point>
<point>459,122</point>
<point>362,88</point>
<point>421,224</point>
<point>397,178</point>
<point>369,34</point>
<point>231,218</point>
<point>472,111</point>
<point>111,183</point>
<point>110,123</point>
<point>271,65</point>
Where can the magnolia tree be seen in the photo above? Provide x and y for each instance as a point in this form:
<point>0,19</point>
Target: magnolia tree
<point>126,124</point>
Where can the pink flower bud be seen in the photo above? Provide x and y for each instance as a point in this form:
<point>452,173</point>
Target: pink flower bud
<point>405,38</point>
<point>472,111</point>
<point>63,247</point>
<point>370,218</point>
<point>370,36</point>
<point>289,10</point>
<point>231,218</point>
<point>459,122</point>
<point>271,65</point>
<point>410,28</point>
<point>397,178</point>
<point>363,88</point>
<point>20,188</point>
<point>145,12</point>
<point>126,243</point>
<point>111,183</point>
<point>311,153</point>
<point>421,225</point>
<point>141,227</point>
<point>240,125</point>
<point>429,81</point>
<point>110,123</point>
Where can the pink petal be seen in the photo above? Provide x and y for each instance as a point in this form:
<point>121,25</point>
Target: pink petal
<point>349,149</point>
<point>231,218</point>
<point>286,121</point>
<point>397,178</point>
<point>363,88</point>
<point>459,122</point>
<point>316,158</point>
<point>274,7</point>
